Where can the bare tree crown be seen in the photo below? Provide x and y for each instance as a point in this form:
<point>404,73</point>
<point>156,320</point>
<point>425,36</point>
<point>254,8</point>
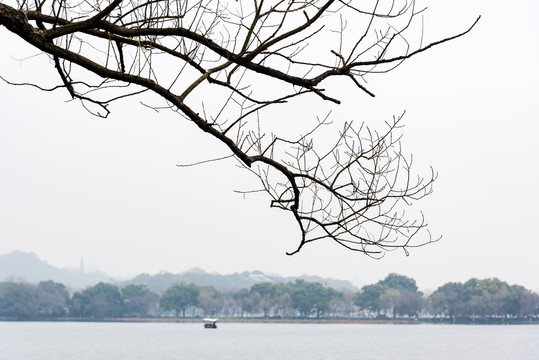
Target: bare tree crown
<point>225,64</point>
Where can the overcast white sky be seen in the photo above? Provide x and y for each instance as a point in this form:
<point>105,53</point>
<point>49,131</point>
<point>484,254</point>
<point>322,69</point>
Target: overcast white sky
<point>109,189</point>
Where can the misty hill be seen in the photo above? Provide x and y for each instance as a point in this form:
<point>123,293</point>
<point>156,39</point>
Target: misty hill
<point>246,279</point>
<point>27,267</point>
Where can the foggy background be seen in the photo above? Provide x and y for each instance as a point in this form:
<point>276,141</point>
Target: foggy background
<point>74,185</point>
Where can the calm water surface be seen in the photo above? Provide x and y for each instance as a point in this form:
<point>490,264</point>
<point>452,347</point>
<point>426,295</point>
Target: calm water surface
<point>137,341</point>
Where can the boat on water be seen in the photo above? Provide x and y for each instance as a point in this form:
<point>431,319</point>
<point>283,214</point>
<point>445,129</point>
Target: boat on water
<point>210,323</point>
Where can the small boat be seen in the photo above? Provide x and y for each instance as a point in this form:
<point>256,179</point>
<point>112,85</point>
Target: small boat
<point>210,323</point>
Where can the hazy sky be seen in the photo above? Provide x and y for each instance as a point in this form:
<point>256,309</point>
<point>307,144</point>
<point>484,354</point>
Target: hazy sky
<point>109,189</point>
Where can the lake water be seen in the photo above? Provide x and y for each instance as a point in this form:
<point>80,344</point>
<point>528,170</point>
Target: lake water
<point>149,341</point>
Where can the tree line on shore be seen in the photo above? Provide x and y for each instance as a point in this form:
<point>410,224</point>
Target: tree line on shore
<point>395,297</point>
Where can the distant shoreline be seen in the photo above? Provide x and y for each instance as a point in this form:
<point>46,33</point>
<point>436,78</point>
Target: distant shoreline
<point>288,321</point>
<point>274,321</point>
<point>337,321</point>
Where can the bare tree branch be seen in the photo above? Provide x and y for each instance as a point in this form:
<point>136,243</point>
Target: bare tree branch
<point>356,192</point>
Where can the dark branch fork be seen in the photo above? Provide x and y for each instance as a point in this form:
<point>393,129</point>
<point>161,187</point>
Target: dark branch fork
<point>353,193</point>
